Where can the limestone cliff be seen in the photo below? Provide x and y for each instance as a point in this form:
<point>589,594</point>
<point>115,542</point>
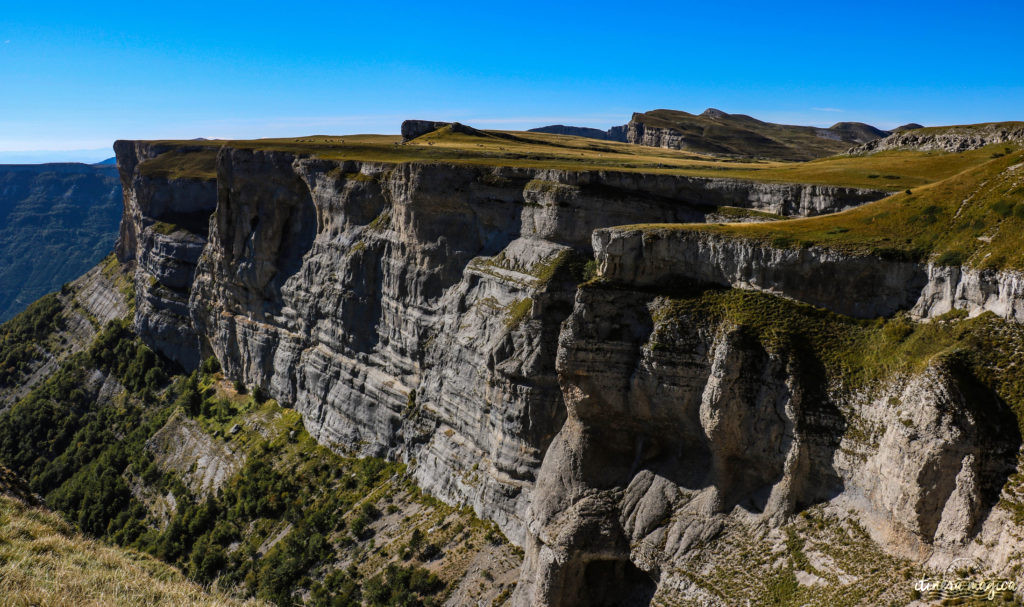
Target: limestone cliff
<point>407,310</point>
<point>430,313</point>
<point>861,286</point>
<point>700,419</point>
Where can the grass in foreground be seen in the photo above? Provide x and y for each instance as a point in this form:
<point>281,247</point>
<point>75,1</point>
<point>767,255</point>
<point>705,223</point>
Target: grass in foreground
<point>44,562</point>
<point>975,218</point>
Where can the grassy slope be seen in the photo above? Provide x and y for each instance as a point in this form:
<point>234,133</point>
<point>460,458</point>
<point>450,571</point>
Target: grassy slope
<point>885,171</point>
<point>974,217</point>
<point>195,163</point>
<point>44,561</point>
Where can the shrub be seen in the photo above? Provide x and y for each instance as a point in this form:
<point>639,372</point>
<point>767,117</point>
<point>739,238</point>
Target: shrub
<point>951,258</point>
<point>1003,207</point>
<point>210,365</point>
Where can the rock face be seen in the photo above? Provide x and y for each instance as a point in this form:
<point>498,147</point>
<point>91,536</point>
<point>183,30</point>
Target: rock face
<point>163,230</point>
<point>680,425</point>
<point>431,313</point>
<point>612,134</point>
<point>946,139</point>
<point>410,311</point>
<point>204,462</point>
<point>411,129</point>
<point>858,286</point>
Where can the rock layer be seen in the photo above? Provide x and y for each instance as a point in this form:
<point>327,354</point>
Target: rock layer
<point>854,285</point>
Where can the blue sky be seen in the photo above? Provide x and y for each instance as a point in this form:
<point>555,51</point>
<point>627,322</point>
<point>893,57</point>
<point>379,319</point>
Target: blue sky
<point>76,76</point>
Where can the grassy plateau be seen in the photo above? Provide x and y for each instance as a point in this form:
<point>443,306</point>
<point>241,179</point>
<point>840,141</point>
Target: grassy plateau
<point>891,171</point>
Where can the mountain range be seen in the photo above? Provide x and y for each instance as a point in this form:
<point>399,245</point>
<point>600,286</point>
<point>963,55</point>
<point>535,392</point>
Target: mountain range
<point>56,222</point>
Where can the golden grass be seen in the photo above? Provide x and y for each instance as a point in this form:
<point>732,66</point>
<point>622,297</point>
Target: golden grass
<point>883,171</point>
<point>45,563</point>
<point>196,163</point>
<point>975,217</point>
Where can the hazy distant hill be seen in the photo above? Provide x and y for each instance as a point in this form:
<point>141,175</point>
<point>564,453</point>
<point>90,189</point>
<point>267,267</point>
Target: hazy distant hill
<point>56,221</point>
<point>716,132</point>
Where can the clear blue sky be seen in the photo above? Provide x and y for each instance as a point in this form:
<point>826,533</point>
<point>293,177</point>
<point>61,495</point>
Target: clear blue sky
<point>76,76</point>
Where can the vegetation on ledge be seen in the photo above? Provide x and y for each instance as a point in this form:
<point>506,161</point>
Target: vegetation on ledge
<point>975,218</point>
<point>855,354</point>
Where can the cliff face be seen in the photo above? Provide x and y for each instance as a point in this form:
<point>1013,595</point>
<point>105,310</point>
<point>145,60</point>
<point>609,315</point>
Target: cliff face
<point>163,229</point>
<point>691,425</point>
<point>686,430</point>
<point>430,313</point>
<point>858,286</point>
<point>406,310</point>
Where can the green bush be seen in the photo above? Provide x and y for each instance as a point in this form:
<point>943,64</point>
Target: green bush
<point>951,258</point>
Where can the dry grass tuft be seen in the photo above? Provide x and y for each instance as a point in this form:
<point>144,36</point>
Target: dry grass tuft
<point>46,563</point>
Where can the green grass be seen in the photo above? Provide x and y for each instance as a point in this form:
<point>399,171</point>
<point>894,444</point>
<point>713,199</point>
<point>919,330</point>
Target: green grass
<point>975,217</point>
<point>187,163</point>
<point>734,213</point>
<point>518,311</point>
<point>891,170</point>
<point>165,228</point>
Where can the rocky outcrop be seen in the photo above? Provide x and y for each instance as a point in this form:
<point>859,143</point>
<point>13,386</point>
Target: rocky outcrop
<point>681,425</point>
<point>163,231</point>
<point>203,462</point>
<point>855,285</point>
<point>946,139</point>
<point>411,129</point>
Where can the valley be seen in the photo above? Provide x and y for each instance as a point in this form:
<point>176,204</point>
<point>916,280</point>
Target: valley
<point>481,367</point>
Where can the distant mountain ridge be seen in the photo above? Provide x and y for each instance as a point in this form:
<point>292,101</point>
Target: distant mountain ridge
<point>716,132</point>
<point>955,138</point>
<point>56,221</point>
